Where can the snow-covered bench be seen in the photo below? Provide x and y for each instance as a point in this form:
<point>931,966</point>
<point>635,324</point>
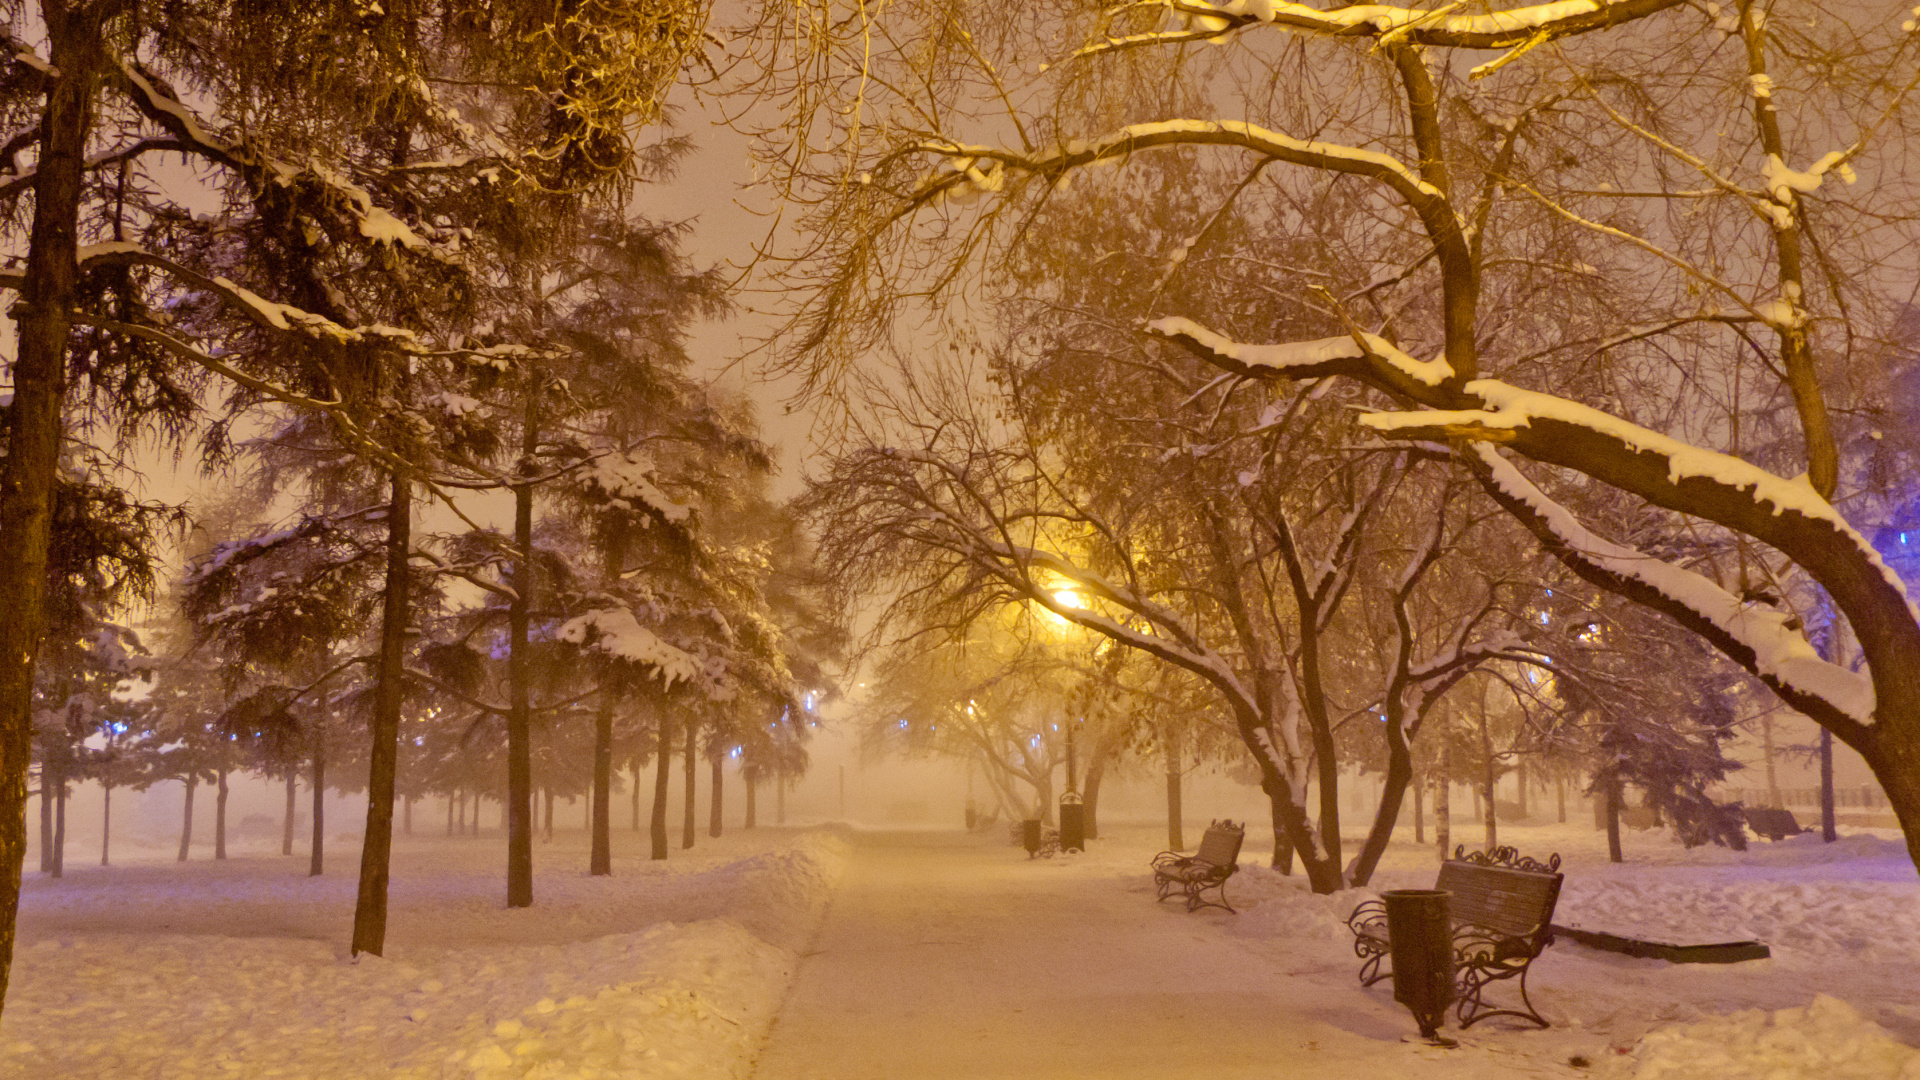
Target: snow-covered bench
<point>1502,910</point>
<point>1206,869</point>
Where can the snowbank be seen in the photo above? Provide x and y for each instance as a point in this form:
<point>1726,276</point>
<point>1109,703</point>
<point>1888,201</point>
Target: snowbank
<point>237,969</point>
<point>1827,1040</point>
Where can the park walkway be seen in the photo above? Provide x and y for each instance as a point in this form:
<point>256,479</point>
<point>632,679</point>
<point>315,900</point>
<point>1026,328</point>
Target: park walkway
<point>948,955</point>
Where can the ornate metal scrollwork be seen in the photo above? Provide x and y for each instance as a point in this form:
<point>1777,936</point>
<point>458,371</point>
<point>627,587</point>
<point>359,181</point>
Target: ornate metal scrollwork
<point>1507,858</point>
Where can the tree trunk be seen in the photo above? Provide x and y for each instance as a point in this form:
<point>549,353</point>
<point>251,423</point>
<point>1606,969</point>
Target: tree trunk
<point>1520,778</point>
<point>780,800</point>
<point>547,825</point>
<point>692,764</point>
<point>406,819</point>
<point>1419,809</point>
<point>1493,813</point>
<point>220,814</point>
<point>316,850</point>
<point>714,820</point>
<point>46,818</point>
<point>600,857</point>
<point>1766,745</point>
<point>1490,779</point>
<point>753,795</point>
<point>663,771</point>
<point>1611,792</point>
<point>286,819</point>
<point>186,820</point>
<point>1090,796</point>
<point>1828,832</point>
<point>519,809</point>
<point>1560,797</point>
<point>1282,839</point>
<point>106,820</point>
<point>1176,835</point>
<point>600,854</point>
<point>60,827</point>
<point>636,793</point>
<point>376,851</point>
<point>1394,790</point>
<point>1443,804</point>
<point>34,429</point>
<point>450,814</point>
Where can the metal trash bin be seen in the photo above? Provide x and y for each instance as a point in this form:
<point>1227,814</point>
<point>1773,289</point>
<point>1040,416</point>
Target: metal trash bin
<point>1030,835</point>
<point>1420,932</point>
<point>1073,823</point>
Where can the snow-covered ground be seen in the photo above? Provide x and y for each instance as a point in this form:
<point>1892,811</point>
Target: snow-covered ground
<point>1840,997</point>
<point>204,969</point>
<point>162,970</point>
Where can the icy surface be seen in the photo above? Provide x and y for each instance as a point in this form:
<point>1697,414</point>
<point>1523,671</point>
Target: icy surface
<point>238,969</point>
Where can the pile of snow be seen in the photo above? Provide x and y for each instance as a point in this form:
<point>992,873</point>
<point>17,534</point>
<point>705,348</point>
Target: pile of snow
<point>1798,920</point>
<point>1827,1040</point>
<point>238,968</point>
<point>700,1007</point>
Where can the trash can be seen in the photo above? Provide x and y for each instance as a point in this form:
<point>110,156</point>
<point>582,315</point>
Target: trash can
<point>1030,835</point>
<point>1073,823</point>
<point>1420,929</point>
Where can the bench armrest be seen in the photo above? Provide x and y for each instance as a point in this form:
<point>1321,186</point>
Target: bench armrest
<point>1369,919</point>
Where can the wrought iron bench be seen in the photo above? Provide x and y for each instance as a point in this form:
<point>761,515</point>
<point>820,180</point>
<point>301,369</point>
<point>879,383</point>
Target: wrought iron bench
<point>1206,869</point>
<point>1502,911</point>
<point>1773,822</point>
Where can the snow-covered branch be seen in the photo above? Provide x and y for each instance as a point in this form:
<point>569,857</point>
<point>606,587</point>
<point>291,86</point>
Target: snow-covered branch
<point>1524,26</point>
<point>1754,634</point>
<point>1370,357</point>
<point>1078,153</point>
<point>1785,514</point>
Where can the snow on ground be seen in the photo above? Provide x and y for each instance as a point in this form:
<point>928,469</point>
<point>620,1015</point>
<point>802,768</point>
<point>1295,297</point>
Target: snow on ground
<point>1840,997</point>
<point>162,970</point>
<point>204,969</point>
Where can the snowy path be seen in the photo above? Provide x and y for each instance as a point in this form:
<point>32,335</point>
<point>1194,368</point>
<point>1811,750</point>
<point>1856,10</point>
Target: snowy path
<point>952,956</point>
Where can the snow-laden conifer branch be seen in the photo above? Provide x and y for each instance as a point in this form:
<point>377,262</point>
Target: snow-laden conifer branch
<point>617,633</point>
<point>1753,634</point>
<point>374,222</point>
<point>437,683</point>
<point>13,183</point>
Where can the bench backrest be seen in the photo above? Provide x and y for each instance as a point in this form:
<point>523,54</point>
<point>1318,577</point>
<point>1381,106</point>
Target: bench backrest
<point>1518,903</point>
<point>1221,845</point>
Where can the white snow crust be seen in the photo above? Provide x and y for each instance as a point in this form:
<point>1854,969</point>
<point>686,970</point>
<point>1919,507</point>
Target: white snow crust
<point>237,969</point>
<point>629,479</point>
<point>676,968</point>
<point>1306,353</point>
<point>617,633</point>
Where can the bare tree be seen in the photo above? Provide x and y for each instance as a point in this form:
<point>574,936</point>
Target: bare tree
<point>1614,249</point>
